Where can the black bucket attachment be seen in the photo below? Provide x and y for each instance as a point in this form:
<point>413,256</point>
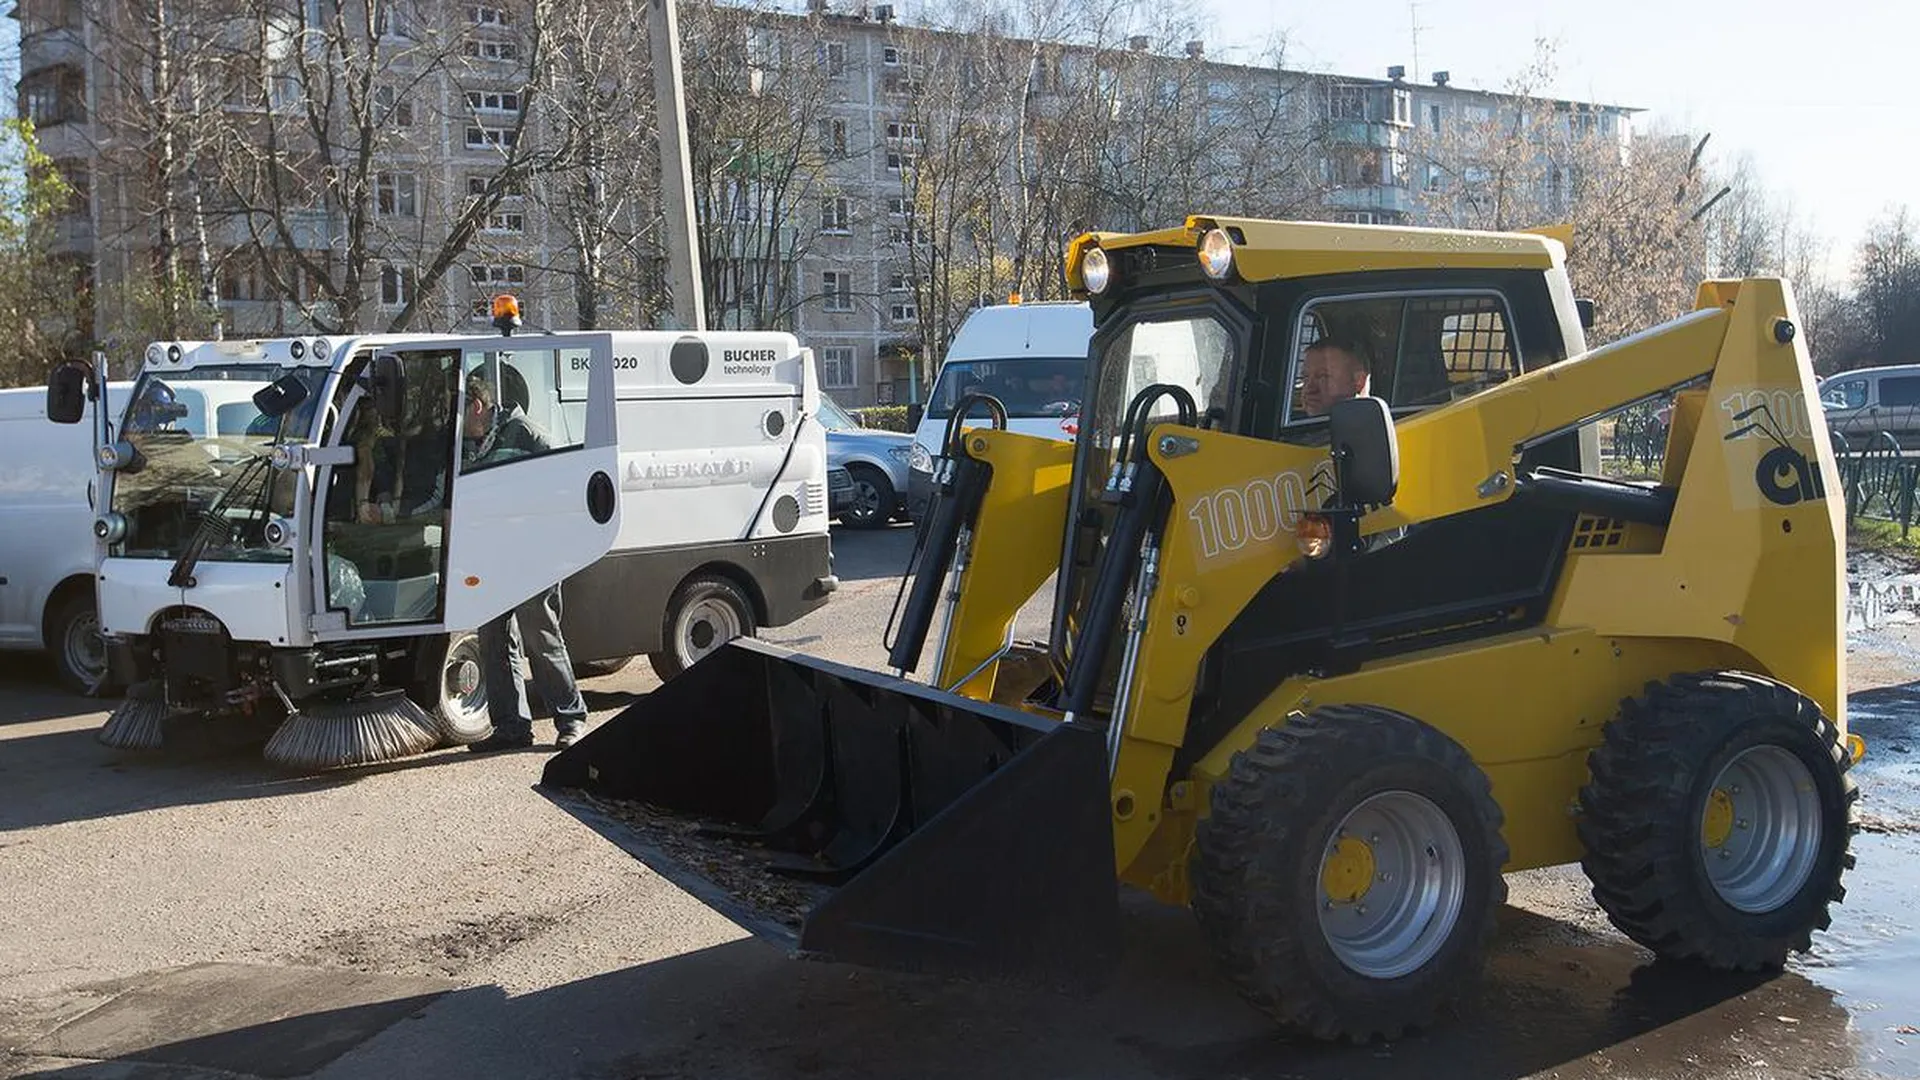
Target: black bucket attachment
<point>852,816</point>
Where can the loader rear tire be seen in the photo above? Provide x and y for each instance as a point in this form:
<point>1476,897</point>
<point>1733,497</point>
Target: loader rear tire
<point>1717,820</point>
<point>1342,806</point>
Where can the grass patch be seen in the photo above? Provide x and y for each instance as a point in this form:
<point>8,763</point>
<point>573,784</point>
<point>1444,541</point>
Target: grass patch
<point>1867,534</point>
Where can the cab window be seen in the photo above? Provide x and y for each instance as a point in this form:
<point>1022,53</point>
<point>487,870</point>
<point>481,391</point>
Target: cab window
<point>1900,391</point>
<point>1416,351</point>
<point>521,403</point>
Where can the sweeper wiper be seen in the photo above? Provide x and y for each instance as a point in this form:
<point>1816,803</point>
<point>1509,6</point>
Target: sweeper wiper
<point>1350,619</point>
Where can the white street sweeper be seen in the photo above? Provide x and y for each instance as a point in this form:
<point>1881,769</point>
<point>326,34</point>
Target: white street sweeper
<point>324,569</point>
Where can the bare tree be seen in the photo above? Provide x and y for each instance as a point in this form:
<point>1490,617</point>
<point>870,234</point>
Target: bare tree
<point>758,94</point>
<point>1887,284</point>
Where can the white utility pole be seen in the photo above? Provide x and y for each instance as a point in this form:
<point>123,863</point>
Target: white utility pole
<point>676,177</point>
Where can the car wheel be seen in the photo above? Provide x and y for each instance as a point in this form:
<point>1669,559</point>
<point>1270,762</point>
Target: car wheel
<point>73,637</point>
<point>873,498</point>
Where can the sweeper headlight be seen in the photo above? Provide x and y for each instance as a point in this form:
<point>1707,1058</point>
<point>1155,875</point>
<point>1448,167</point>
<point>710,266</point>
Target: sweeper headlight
<point>278,533</point>
<point>1096,271</point>
<point>112,456</point>
<point>1216,254</point>
<point>110,527</point>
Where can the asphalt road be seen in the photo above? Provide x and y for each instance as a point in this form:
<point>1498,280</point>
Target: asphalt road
<point>199,915</point>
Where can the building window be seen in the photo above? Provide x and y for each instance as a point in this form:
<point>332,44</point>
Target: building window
<point>833,57</point>
<point>1433,119</point>
<point>905,234</point>
<point>492,49</point>
<point>1358,217</point>
<point>899,283</point>
<point>899,207</point>
<point>902,311</point>
<point>396,195</point>
<point>836,367</point>
<point>490,279</point>
<point>836,287</point>
<point>1403,107</point>
<point>506,221</point>
<point>834,214</point>
<point>899,162</point>
<point>480,136</point>
<point>890,56</point>
<point>833,138</point>
<point>390,109</point>
<point>1434,180</point>
<point>55,95</point>
<point>1476,114</point>
<point>903,131</point>
<point>480,15</point>
<point>500,101</point>
<point>477,187</point>
<point>396,286</point>
<point>1347,102</point>
<point>40,16</point>
<point>394,19</point>
<point>79,185</point>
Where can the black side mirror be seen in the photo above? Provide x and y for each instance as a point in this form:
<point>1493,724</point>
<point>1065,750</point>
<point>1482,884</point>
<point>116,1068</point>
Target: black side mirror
<point>281,396</point>
<point>1366,455</point>
<point>67,394</point>
<point>389,386</point>
<point>915,412</point>
<point>1585,308</point>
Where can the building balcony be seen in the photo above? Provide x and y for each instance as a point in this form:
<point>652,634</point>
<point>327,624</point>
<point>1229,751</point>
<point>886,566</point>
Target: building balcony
<point>310,228</point>
<point>734,241</point>
<point>271,318</point>
<point>52,48</point>
<point>72,234</point>
<point>1378,197</point>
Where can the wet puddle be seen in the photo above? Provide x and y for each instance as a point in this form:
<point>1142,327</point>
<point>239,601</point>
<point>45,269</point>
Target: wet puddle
<point>1870,959</point>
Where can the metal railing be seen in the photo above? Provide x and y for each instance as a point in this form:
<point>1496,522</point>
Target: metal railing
<point>1879,479</point>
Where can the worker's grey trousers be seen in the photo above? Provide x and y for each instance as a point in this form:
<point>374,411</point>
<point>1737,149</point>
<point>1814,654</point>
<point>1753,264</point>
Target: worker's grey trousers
<point>537,623</point>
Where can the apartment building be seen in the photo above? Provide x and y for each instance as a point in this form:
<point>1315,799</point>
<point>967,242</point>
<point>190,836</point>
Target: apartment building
<point>841,252</point>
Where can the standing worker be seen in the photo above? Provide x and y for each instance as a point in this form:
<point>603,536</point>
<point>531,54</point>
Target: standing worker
<point>500,431</point>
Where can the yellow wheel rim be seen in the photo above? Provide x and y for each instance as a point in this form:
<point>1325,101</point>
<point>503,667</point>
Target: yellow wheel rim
<point>1348,872</point>
<point>1718,823</point>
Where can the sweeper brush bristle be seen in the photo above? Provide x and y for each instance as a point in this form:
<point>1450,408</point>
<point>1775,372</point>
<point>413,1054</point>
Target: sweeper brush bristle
<point>135,724</point>
<point>337,734</point>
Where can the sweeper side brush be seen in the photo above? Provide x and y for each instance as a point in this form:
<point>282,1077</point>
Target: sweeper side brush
<point>849,815</point>
<point>138,722</point>
<point>321,735</point>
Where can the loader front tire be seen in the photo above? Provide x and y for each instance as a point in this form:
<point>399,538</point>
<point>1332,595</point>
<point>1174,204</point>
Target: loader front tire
<point>1717,820</point>
<point>1349,872</point>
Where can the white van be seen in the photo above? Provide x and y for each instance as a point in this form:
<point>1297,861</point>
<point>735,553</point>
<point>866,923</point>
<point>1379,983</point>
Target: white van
<point>1031,357</point>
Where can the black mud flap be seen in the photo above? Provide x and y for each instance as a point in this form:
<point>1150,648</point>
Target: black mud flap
<point>851,816</point>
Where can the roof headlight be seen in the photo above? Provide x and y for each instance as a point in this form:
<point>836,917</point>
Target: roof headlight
<point>297,348</point>
<point>174,353</point>
<point>320,349</point>
<point>1216,254</point>
<point>155,354</point>
<point>1096,272</point>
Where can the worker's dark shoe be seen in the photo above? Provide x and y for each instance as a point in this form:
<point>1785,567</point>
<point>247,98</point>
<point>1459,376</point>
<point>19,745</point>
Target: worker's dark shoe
<point>499,741</point>
<point>568,734</point>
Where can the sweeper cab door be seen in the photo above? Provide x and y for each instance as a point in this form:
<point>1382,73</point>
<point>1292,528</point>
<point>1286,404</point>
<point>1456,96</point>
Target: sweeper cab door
<point>489,474</point>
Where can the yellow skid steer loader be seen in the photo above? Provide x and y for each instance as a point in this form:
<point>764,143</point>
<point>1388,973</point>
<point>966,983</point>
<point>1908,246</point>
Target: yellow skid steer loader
<point>1347,621</point>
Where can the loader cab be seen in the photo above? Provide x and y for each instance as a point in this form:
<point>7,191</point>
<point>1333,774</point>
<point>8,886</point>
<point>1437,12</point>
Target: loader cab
<point>1256,357</point>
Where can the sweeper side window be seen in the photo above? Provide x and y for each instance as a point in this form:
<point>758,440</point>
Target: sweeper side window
<point>516,404</point>
<point>385,520</point>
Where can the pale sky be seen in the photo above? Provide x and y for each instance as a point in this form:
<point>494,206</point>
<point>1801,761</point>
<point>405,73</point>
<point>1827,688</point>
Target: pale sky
<point>1815,93</point>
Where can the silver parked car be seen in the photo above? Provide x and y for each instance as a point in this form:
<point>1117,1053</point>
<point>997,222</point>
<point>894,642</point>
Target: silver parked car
<point>877,461</point>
